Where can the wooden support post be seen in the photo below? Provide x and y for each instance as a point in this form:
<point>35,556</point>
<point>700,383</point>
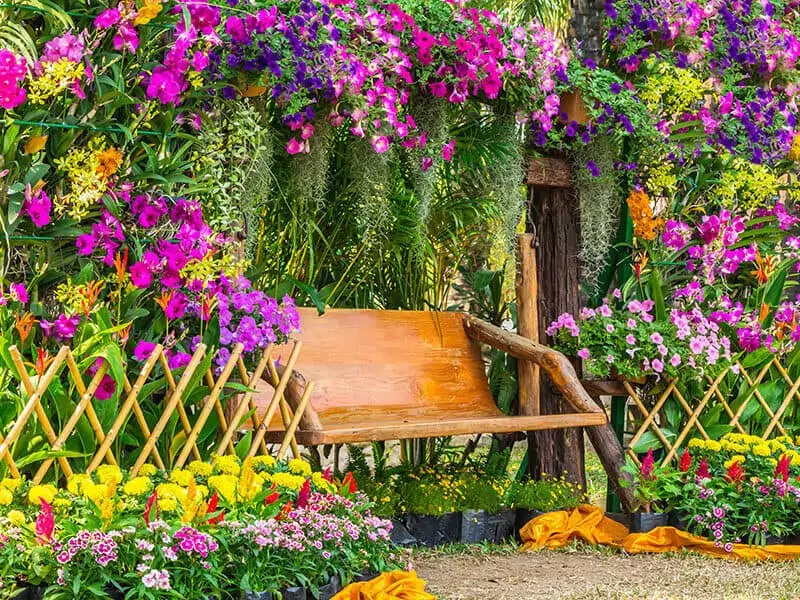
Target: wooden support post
<point>527,323</point>
<point>553,217</point>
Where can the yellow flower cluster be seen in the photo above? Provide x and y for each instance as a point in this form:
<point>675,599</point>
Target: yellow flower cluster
<point>661,179</point>
<point>55,78</point>
<point>747,185</point>
<point>739,445</point>
<point>87,170</point>
<point>672,90</point>
<point>644,224</point>
<point>211,265</point>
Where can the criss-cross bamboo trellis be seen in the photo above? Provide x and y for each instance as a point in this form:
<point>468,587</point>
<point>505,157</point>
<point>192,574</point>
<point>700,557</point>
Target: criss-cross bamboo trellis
<point>748,382</point>
<point>234,412</point>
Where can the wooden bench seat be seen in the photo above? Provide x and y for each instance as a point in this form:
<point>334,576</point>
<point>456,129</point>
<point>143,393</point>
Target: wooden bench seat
<point>382,375</point>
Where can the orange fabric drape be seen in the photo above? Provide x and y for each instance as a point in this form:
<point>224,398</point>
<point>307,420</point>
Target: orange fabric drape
<point>396,585</point>
<point>589,523</point>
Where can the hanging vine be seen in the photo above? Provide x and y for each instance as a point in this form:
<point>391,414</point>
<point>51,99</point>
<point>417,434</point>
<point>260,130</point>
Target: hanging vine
<point>598,187</point>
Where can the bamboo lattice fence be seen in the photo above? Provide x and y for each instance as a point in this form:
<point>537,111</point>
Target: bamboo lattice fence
<point>200,414</point>
<point>754,395</point>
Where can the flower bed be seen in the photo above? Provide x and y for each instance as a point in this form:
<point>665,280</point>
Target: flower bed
<point>438,506</point>
<point>740,488</point>
<point>206,531</point>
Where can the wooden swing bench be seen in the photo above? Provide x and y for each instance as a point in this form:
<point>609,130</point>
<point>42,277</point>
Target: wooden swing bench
<point>386,375</point>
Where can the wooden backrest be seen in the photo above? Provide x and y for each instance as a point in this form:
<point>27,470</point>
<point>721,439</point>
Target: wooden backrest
<point>382,366</point>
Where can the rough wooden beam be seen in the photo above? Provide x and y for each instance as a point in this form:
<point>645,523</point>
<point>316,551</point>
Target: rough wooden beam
<point>563,376</point>
<point>549,172</point>
<point>294,394</point>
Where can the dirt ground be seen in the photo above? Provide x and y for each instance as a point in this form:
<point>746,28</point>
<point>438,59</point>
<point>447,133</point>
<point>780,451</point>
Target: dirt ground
<point>583,574</point>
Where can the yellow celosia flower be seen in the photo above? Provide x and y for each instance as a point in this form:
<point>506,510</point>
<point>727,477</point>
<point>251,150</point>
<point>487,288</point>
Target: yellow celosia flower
<point>299,466</point>
<point>323,484</point>
<point>111,474</point>
<point>225,485</point>
<point>41,492</point>
<point>17,517</point>
<point>733,460</point>
<point>181,477</point>
<point>138,486</point>
<point>6,496</point>
<point>200,469</point>
<point>202,492</point>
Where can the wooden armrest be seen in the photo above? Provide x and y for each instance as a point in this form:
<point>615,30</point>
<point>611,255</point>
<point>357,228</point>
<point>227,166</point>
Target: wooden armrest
<point>557,366</point>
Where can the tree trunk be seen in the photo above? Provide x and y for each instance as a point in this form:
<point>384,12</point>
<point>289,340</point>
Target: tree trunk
<point>554,219</point>
<point>586,26</point>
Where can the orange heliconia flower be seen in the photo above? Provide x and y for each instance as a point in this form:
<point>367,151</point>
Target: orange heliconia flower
<point>24,324</point>
<point>90,293</point>
<point>163,299</point>
<point>43,360</point>
<point>148,12</point>
<point>764,268</point>
<point>121,265</point>
<point>763,313</point>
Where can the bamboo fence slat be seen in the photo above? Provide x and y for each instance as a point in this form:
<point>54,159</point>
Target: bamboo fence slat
<point>746,384</point>
<point>190,419</point>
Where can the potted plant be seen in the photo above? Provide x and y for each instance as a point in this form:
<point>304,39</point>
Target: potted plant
<point>431,503</point>
<point>646,484</point>
<point>531,498</point>
<point>483,517</point>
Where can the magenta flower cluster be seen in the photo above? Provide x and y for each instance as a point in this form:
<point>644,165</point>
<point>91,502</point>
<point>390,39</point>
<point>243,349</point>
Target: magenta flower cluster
<point>13,70</point>
<point>102,547</point>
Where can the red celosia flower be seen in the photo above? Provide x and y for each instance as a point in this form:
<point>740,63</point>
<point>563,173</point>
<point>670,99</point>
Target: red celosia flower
<point>702,469</point>
<point>349,483</point>
<point>646,471</point>
<point>686,461</point>
<point>327,474</point>
<point>213,503</point>
<point>735,472</point>
<point>151,501</point>
<point>303,495</point>
<point>782,468</point>
<point>45,523</point>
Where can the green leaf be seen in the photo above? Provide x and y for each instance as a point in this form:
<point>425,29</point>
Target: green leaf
<point>44,455</point>
<point>649,440</point>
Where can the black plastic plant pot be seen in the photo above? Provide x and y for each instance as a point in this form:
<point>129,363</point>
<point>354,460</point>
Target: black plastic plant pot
<point>678,520</point>
<point>433,531</point>
<point>642,522</point>
<point>501,525</point>
<point>400,535</point>
<point>294,593</point>
<point>793,540</point>
<point>774,540</point>
<point>330,589</point>
<point>474,526</point>
<point>522,517</point>
<point>365,576</point>
<point>257,596</point>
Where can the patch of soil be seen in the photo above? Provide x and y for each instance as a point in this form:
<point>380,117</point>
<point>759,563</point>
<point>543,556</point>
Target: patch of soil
<point>580,575</point>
